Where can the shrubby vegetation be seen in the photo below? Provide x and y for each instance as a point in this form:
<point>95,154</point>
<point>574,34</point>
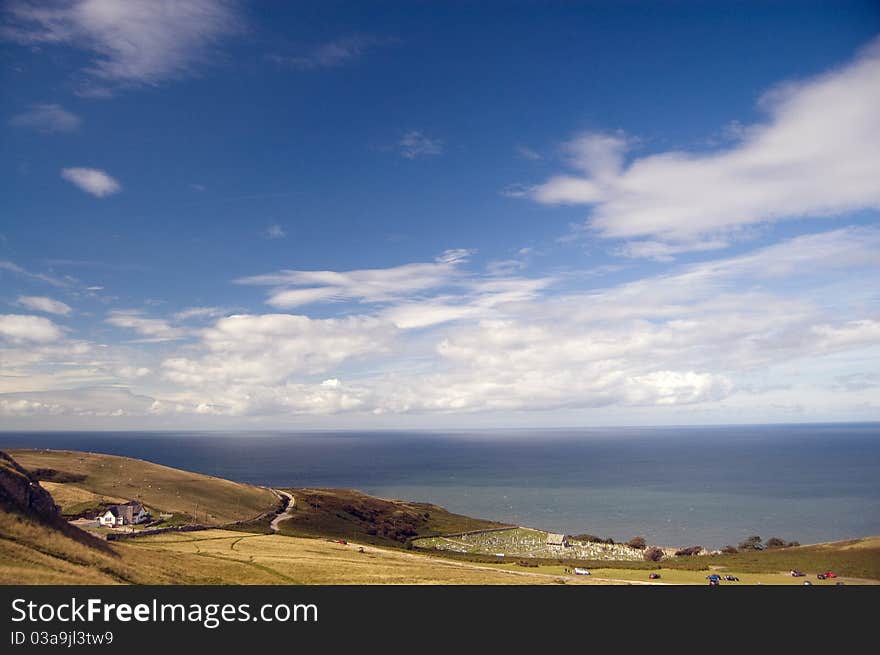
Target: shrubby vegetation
<point>653,554</point>
<point>689,551</point>
<point>638,543</point>
<point>593,539</point>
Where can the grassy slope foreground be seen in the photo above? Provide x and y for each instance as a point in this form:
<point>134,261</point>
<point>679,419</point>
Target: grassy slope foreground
<point>78,479</point>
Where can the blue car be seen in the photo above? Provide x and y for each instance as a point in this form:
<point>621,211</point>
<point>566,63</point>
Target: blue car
<point>713,579</point>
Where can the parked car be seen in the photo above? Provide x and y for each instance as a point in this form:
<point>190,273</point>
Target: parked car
<point>654,576</point>
<point>714,579</point>
<point>830,574</point>
<point>807,582</point>
<point>821,576</point>
<point>731,578</point>
<point>797,574</point>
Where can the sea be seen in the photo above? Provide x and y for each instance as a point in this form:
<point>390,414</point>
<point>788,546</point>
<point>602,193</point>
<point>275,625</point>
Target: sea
<point>676,486</point>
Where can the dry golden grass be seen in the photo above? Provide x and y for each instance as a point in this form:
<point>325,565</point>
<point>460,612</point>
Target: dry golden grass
<point>295,560</point>
<point>204,498</point>
<point>34,554</point>
<point>69,495</point>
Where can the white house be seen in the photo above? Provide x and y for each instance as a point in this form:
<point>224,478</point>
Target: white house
<point>130,513</point>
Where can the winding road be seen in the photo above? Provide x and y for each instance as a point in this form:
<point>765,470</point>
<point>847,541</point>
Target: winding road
<point>286,514</point>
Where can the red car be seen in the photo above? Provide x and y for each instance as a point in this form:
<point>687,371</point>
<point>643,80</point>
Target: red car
<point>829,574</point>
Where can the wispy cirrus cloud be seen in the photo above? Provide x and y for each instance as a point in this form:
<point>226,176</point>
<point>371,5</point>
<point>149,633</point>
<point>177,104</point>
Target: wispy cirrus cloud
<point>274,231</point>
<point>47,118</point>
<point>332,54</point>
<point>92,180</point>
<point>14,268</point>
<point>415,143</point>
<point>295,288</point>
<point>199,312</point>
<point>815,156</point>
<point>44,304</point>
<point>133,42</point>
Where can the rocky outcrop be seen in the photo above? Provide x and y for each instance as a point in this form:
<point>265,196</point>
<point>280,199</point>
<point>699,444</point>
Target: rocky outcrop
<point>21,490</point>
<point>21,494</point>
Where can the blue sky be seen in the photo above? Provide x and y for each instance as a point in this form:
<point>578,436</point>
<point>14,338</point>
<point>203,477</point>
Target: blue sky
<point>230,214</point>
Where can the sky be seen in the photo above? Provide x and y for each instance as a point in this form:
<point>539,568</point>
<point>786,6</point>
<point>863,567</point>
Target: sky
<point>235,215</point>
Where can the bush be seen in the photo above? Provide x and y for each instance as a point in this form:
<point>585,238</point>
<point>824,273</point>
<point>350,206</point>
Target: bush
<point>775,542</point>
<point>638,543</point>
<point>729,550</point>
<point>653,554</point>
<point>688,551</point>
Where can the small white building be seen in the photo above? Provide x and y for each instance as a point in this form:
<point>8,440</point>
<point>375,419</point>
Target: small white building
<point>131,513</point>
<point>555,540</point>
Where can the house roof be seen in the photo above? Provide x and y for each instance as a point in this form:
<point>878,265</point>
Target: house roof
<point>126,510</point>
<point>555,538</point>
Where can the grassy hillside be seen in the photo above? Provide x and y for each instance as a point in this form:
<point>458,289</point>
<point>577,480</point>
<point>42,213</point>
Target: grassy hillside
<point>82,479</point>
<point>352,515</point>
<point>37,546</point>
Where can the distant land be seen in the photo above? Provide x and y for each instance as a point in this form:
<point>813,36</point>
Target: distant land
<point>206,530</point>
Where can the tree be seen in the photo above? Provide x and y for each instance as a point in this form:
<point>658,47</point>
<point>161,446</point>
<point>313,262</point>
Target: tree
<point>729,550</point>
<point>775,542</point>
<point>653,554</point>
<point>752,543</point>
<point>638,543</point>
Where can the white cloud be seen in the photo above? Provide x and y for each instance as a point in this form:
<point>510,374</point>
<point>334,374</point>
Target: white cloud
<point>332,54</point>
<point>415,144</point>
<point>92,180</point>
<point>267,349</point>
<point>815,156</point>
<point>699,337</point>
<point>296,288</point>
<point>152,329</point>
<point>528,153</point>
<point>12,267</point>
<point>22,327</point>
<point>199,312</point>
<point>275,231</point>
<point>135,41</point>
<point>47,118</point>
<point>43,304</point>
<point>87,401</point>
<point>665,252</point>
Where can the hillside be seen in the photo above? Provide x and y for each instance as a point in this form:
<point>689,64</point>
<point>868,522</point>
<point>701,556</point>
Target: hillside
<point>84,480</point>
<point>352,515</point>
<point>38,547</point>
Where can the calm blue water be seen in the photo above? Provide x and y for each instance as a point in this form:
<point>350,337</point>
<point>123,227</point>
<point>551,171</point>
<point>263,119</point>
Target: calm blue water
<point>708,486</point>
